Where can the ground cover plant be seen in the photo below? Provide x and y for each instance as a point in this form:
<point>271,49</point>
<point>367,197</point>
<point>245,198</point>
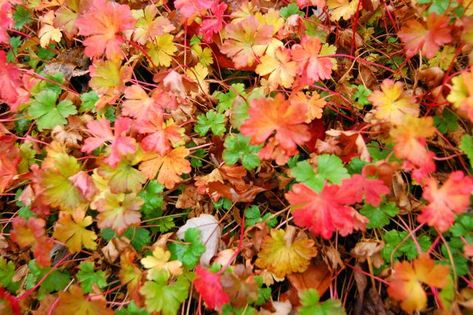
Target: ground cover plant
<point>236,157</point>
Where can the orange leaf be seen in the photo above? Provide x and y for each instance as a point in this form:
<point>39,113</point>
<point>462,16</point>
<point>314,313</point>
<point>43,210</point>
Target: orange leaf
<point>279,117</point>
<point>407,279</point>
<point>426,38</point>
<point>166,167</point>
<point>74,302</point>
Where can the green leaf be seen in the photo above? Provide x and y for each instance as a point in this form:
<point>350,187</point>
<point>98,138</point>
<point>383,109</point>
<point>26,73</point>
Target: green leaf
<point>88,277</point>
<point>190,251</point>
<point>253,216</point>
<point>448,122</point>
<point>466,146</point>
<point>210,121</point>
<point>447,295</point>
<point>7,272</point>
<point>88,100</point>
<point>356,165</point>
<point>163,297</point>
<point>21,16</point>
<point>15,43</point>
<point>455,246</point>
<point>376,152</point>
<point>225,100</point>
<point>152,196</point>
<point>238,148</point>
<point>132,309</point>
<point>46,54</point>
<point>229,309</point>
<point>197,157</point>
<point>43,108</point>
<point>290,9</point>
<point>463,225</point>
<point>107,234</point>
<point>379,216</point>
<point>331,168</point>
<point>195,40</point>
<point>138,236</point>
<point>223,203</point>
<point>264,294</point>
<point>398,244</point>
<point>310,304</point>
<point>53,84</point>
<point>361,95</point>
<point>440,6</point>
<point>153,199</point>
<point>303,172</point>
<point>57,280</point>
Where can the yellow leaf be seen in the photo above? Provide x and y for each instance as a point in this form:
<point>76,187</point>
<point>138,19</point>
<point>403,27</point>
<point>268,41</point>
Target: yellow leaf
<point>271,18</point>
<point>198,73</point>
<point>72,231</point>
<point>285,253</point>
<point>279,67</point>
<point>59,190</point>
<point>342,9</point>
<point>161,50</point>
<point>49,33</point>
<point>166,167</point>
<point>159,262</point>
<point>461,95</point>
<point>392,103</point>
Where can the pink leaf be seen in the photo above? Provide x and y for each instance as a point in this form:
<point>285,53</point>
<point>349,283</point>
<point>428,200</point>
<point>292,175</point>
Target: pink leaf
<point>104,23</point>
<point>189,8</point>
<point>120,143</point>
<point>6,21</point>
<point>446,201</point>
<point>209,286</point>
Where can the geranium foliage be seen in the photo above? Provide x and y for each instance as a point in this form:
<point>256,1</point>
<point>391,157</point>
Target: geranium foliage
<point>236,157</point>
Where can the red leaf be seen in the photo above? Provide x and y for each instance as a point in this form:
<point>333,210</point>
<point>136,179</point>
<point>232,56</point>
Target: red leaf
<point>446,201</point>
<point>210,288</point>
<point>359,186</point>
<point>326,212</point>
<point>215,24</point>
<point>10,76</point>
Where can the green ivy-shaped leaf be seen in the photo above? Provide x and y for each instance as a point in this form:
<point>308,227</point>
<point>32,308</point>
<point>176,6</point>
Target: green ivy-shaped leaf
<point>190,250</point>
<point>160,296</point>
<point>211,121</point>
<point>310,305</point>
<point>48,115</point>
<point>87,277</point>
<point>379,216</point>
<point>238,148</point>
